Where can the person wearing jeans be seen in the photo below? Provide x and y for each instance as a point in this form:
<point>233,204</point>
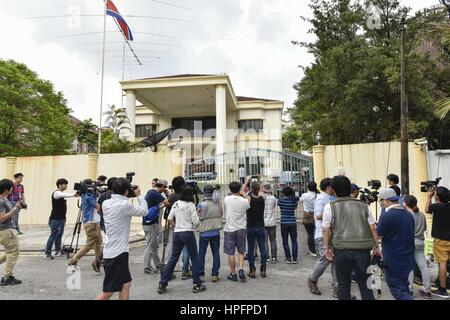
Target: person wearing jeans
<point>349,235</point>
<point>270,223</point>
<point>308,199</point>
<point>255,228</point>
<point>396,227</point>
<point>410,203</point>
<point>57,219</point>
<point>183,216</point>
<point>288,204</point>
<point>17,195</point>
<point>210,216</point>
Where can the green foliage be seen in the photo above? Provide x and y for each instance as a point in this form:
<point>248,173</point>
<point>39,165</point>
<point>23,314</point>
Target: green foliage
<point>86,132</point>
<point>351,92</point>
<point>113,143</point>
<point>33,117</point>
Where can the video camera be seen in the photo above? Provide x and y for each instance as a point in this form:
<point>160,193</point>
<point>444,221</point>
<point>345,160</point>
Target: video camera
<point>129,177</point>
<point>89,188</point>
<point>371,196</point>
<point>428,186</point>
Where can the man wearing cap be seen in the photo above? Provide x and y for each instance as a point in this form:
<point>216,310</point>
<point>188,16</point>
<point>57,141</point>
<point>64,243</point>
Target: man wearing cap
<point>150,223</point>
<point>355,191</point>
<point>396,230</point>
<point>210,215</point>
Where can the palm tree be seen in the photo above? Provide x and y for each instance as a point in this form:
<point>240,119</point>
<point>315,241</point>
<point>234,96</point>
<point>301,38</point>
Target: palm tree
<point>86,133</point>
<point>441,32</point>
<point>117,119</point>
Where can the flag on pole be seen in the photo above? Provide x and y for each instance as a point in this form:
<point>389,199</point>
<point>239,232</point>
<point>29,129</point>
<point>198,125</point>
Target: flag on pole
<point>111,10</point>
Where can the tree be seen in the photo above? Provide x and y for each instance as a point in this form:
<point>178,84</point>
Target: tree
<point>351,91</point>
<point>117,119</point>
<point>33,116</point>
<point>113,143</point>
<point>86,132</point>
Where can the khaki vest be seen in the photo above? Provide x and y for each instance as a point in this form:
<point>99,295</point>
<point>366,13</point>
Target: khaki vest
<point>210,216</point>
<point>349,226</point>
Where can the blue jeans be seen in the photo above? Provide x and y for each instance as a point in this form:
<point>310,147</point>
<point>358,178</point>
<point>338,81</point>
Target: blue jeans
<point>256,234</point>
<point>346,261</point>
<point>185,259</point>
<point>180,240</point>
<point>310,229</point>
<point>286,230</point>
<point>398,285</point>
<point>214,242</point>
<point>56,233</point>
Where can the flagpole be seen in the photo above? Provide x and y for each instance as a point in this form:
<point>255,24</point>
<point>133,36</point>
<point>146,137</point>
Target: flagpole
<point>123,68</point>
<point>102,81</point>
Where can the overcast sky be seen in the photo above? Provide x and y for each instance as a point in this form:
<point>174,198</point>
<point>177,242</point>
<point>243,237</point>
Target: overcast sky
<point>248,39</point>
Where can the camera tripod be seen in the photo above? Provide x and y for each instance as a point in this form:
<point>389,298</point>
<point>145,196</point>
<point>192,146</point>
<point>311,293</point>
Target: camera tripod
<point>76,232</point>
<point>165,241</point>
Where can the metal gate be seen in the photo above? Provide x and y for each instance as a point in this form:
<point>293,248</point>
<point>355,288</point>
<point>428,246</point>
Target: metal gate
<point>278,168</point>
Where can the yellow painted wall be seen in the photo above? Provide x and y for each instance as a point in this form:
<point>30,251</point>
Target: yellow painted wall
<point>41,174</point>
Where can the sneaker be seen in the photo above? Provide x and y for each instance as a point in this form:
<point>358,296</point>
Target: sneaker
<point>252,273</point>
<point>268,260</point>
<point>274,260</point>
<point>335,294</point>
<point>198,288</point>
<point>288,261</point>
<point>313,287</point>
<point>162,289</point>
<point>216,278</point>
<point>72,268</point>
<point>418,281</point>
<point>425,295</point>
<point>10,281</point>
<point>49,257</point>
<point>151,270</point>
<point>314,255</point>
<point>96,265</point>
<point>186,275</point>
<point>58,254</point>
<point>232,277</point>
<point>441,293</point>
<point>295,261</point>
<point>242,275</point>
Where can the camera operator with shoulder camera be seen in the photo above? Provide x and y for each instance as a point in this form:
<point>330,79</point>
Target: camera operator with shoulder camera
<point>57,219</point>
<point>441,233</point>
<point>117,213</point>
<point>7,237</point>
<point>102,198</point>
<point>91,224</point>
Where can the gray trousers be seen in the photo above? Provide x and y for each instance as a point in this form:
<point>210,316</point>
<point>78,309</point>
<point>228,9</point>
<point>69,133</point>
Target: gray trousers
<point>15,218</point>
<point>271,233</point>
<point>322,264</point>
<point>422,263</point>
<point>152,246</point>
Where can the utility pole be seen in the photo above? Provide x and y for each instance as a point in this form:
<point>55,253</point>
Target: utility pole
<point>403,114</point>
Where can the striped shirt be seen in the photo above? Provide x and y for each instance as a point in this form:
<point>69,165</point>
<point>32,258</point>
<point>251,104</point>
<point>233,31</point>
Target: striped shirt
<point>287,208</point>
<point>16,194</point>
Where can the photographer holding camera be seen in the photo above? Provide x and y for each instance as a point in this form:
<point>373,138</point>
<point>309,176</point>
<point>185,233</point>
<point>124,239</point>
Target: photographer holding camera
<point>7,237</point>
<point>117,213</point>
<point>441,233</point>
<point>57,218</point>
<point>91,224</point>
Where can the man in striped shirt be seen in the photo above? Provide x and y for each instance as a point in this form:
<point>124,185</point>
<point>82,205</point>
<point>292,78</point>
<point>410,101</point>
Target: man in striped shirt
<point>288,204</point>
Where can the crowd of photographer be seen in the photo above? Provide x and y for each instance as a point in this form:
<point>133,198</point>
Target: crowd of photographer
<point>341,229</point>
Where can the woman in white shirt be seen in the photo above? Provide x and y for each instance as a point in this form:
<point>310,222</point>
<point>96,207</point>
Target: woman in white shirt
<point>183,216</point>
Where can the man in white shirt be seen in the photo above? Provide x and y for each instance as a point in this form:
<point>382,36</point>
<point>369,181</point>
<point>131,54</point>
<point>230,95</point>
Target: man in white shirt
<point>308,200</point>
<point>117,213</point>
<point>235,208</point>
<point>241,172</point>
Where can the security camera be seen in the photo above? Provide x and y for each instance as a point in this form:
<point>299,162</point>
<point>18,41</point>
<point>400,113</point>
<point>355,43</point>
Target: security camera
<point>421,142</point>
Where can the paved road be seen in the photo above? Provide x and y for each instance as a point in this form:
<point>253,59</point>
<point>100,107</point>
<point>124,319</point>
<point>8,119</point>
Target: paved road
<point>46,280</point>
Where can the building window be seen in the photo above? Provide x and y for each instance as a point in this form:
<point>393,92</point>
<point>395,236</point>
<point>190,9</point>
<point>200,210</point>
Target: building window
<point>189,124</point>
<point>251,125</point>
<point>145,130</point>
